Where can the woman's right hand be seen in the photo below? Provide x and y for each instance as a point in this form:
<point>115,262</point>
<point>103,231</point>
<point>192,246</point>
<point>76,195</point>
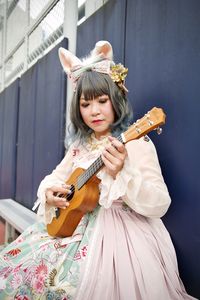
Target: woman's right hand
<point>56,196</point>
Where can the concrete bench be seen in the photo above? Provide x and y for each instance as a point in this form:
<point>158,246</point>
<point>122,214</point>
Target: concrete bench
<point>16,216</point>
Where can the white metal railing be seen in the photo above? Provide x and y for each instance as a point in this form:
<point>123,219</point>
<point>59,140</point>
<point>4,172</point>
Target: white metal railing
<point>17,58</point>
<point>43,25</point>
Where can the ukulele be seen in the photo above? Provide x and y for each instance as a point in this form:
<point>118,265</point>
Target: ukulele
<point>84,184</point>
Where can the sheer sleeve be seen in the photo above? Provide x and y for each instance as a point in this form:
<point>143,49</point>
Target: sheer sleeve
<point>140,183</point>
<point>58,177</point>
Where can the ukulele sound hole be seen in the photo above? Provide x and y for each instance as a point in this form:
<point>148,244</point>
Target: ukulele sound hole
<point>57,213</point>
<point>68,198</point>
<point>70,195</point>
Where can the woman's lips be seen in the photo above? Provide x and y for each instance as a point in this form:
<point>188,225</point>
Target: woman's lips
<point>97,121</point>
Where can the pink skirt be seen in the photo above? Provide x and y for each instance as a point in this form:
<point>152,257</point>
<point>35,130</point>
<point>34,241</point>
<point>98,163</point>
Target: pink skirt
<point>130,257</point>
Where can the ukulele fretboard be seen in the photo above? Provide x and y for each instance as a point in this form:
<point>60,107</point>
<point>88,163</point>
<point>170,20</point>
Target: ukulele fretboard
<point>93,169</point>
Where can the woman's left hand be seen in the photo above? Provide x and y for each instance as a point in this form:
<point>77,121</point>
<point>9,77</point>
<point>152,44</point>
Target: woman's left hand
<point>113,156</point>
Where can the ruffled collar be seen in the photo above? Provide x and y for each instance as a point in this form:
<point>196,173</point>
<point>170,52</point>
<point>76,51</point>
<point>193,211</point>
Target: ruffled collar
<point>94,144</point>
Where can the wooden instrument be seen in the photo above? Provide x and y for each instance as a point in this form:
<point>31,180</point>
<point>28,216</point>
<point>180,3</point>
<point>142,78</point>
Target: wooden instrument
<point>84,184</point>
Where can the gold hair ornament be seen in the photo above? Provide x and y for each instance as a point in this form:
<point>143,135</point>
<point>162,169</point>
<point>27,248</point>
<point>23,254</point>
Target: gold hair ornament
<point>118,74</point>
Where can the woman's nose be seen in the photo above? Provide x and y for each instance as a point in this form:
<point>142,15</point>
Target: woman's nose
<point>95,108</point>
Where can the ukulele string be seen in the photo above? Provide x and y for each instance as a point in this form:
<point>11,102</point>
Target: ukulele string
<point>83,178</point>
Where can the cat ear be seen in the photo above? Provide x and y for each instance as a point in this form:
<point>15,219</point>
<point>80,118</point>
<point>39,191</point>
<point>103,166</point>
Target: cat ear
<point>104,48</point>
<point>68,60</point>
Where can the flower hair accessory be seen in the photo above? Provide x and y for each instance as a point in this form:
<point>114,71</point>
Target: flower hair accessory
<point>100,60</point>
<point>118,74</point>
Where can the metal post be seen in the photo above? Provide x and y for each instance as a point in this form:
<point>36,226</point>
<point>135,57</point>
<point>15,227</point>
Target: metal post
<point>26,41</point>
<point>70,31</point>
<point>9,233</point>
<point>4,43</point>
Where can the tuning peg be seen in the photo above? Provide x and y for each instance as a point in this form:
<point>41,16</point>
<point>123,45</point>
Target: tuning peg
<point>150,122</point>
<point>159,130</point>
<point>146,138</point>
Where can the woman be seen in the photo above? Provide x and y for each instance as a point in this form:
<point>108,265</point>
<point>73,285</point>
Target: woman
<point>120,250</point>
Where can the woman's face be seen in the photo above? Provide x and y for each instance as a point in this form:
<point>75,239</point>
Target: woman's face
<point>98,114</point>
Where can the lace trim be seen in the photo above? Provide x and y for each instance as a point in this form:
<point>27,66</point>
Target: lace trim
<point>94,144</point>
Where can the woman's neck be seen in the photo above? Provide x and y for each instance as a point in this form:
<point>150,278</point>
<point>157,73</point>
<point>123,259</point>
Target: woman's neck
<point>101,135</point>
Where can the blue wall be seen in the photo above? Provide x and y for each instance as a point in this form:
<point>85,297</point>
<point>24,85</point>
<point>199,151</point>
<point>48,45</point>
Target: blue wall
<point>8,138</point>
<point>32,128</point>
<point>41,124</point>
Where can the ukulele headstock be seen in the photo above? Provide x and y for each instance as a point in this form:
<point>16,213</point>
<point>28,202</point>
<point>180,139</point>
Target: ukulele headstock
<point>150,121</point>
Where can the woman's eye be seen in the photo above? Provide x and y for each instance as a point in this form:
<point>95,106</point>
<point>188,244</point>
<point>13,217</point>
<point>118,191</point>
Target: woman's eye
<point>84,104</point>
<point>103,100</point>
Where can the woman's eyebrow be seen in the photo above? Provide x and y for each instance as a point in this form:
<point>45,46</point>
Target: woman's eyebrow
<point>103,96</point>
<point>83,99</point>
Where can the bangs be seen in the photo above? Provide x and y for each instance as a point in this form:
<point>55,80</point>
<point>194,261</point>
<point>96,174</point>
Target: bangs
<point>93,84</point>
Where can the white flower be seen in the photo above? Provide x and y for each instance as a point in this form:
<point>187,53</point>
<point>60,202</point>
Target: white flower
<point>16,281</point>
<point>2,283</point>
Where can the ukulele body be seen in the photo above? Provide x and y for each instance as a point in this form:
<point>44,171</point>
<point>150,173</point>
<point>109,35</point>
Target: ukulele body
<point>81,201</point>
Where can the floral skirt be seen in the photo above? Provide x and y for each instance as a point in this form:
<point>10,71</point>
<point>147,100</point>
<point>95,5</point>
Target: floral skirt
<point>36,266</point>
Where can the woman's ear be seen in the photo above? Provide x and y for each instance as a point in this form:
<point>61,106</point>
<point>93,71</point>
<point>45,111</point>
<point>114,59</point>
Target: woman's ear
<point>67,59</point>
<point>104,48</point>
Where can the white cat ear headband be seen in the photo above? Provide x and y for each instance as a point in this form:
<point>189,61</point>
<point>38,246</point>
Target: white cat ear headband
<point>100,60</point>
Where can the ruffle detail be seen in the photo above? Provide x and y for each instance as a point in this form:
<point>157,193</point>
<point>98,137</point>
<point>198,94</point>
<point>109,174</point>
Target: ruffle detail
<point>96,145</point>
<point>126,185</point>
